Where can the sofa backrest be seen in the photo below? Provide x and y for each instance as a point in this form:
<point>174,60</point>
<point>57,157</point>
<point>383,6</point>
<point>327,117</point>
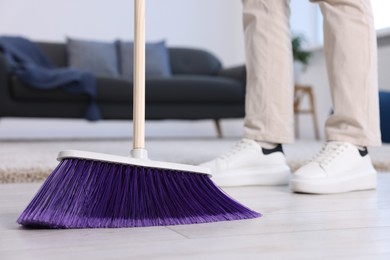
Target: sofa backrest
<point>56,52</point>
<point>184,61</point>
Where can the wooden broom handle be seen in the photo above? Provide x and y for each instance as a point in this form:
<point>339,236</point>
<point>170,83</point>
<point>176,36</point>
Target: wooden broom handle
<point>139,76</point>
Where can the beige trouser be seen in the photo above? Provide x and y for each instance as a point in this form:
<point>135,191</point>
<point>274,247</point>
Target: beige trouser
<point>351,57</point>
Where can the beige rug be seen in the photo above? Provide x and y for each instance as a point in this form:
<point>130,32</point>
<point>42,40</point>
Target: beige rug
<point>33,161</point>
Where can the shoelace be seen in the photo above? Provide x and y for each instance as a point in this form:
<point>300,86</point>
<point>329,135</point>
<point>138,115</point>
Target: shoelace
<point>329,152</point>
<point>237,147</point>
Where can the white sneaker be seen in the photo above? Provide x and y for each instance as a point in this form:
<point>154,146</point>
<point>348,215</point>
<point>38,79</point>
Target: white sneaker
<point>247,163</point>
<point>339,167</point>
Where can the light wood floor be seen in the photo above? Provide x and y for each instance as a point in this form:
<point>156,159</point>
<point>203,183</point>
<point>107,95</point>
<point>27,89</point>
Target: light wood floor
<point>294,226</point>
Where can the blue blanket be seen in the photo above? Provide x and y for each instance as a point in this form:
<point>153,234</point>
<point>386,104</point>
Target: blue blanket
<point>28,62</point>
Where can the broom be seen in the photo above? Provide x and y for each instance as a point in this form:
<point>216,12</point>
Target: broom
<point>92,190</point>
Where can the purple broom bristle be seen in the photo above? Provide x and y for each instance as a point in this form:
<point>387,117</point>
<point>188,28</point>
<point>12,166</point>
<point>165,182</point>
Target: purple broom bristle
<point>84,193</point>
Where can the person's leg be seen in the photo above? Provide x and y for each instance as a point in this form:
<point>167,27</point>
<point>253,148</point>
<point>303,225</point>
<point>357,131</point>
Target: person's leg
<point>352,69</point>
<point>258,159</point>
<point>269,90</point>
<point>351,57</point>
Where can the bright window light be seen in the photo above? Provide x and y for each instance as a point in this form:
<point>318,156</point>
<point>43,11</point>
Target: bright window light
<point>381,10</point>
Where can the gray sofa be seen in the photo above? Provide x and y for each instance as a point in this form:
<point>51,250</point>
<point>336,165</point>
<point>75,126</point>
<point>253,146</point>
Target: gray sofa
<point>199,89</point>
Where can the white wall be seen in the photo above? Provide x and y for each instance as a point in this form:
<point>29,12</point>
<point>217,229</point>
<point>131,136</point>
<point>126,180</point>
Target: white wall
<point>303,20</point>
<point>215,25</point>
<point>211,24</point>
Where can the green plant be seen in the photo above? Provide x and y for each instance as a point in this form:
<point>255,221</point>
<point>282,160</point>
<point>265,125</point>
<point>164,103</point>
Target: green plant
<point>299,54</point>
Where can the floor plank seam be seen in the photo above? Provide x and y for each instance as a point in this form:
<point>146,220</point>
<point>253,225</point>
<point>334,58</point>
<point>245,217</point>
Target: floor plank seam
<point>177,232</point>
<point>288,232</point>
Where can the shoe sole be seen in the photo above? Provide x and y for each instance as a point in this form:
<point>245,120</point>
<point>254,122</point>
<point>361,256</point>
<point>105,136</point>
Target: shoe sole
<point>271,176</point>
<point>357,182</point>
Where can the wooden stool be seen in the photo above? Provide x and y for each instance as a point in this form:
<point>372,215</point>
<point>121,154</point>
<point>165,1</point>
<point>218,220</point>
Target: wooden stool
<point>217,123</point>
<point>300,91</point>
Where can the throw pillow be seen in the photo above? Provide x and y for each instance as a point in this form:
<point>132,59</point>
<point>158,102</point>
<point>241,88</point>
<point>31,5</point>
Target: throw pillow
<point>98,57</point>
<point>157,60</point>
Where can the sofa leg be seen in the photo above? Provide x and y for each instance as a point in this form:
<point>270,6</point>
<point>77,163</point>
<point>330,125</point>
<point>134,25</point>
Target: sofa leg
<point>217,123</point>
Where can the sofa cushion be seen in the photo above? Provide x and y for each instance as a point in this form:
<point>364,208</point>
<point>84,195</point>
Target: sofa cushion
<point>178,89</point>
<point>156,59</point>
<point>100,58</point>
<point>110,90</point>
<point>195,89</point>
